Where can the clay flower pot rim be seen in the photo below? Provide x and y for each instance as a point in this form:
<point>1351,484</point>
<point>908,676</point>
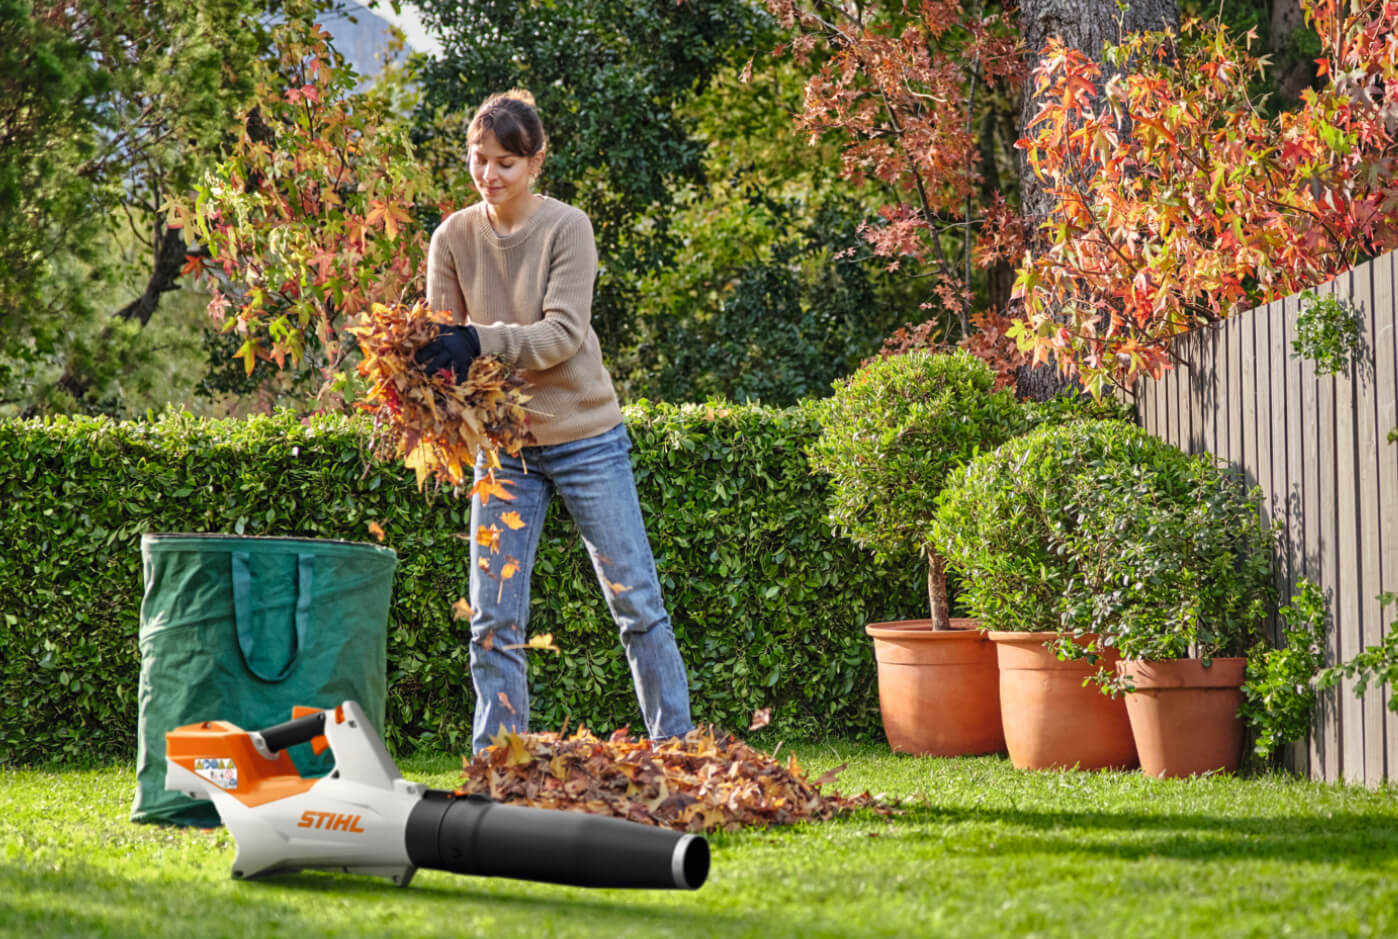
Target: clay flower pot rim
<point>1222,672</point>
<point>961,628</point>
<point>1027,635</point>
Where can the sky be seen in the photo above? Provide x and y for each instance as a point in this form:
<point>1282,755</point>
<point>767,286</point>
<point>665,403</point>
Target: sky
<point>409,23</point>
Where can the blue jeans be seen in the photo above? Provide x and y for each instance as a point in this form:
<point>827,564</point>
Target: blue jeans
<point>594,478</point>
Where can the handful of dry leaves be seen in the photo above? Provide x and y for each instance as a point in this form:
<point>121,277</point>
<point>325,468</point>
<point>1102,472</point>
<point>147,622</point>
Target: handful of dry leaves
<point>435,424</point>
<point>701,782</point>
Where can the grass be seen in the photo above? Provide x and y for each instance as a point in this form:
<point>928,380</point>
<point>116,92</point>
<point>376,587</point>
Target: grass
<point>980,850</point>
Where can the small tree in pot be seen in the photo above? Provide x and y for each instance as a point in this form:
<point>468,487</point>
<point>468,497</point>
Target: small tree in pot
<point>890,436</point>
<point>1120,545</point>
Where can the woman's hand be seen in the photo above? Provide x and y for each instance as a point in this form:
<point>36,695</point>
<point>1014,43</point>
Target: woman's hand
<point>455,347</point>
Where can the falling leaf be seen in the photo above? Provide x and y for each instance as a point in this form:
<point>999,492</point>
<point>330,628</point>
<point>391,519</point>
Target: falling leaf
<point>376,530</point>
<point>489,537</point>
<point>513,520</point>
<point>488,642</point>
<point>540,641</point>
<point>505,700</point>
<point>509,570</point>
<point>615,588</point>
<point>461,609</point>
<point>488,486</point>
<point>760,718</point>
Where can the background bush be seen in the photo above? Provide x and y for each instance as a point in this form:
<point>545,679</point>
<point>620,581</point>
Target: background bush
<point>768,605</point>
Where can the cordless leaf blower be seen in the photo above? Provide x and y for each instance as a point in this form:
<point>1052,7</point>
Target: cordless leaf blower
<point>364,818</point>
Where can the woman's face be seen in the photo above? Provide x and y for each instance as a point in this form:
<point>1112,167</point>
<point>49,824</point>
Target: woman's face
<point>501,177</point>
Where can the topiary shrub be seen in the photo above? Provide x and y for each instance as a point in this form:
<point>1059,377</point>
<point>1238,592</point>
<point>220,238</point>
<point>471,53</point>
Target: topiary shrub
<point>1098,527</point>
<point>891,434</point>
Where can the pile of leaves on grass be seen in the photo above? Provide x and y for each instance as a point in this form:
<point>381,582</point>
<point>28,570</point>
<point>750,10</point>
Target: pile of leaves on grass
<point>703,781</point>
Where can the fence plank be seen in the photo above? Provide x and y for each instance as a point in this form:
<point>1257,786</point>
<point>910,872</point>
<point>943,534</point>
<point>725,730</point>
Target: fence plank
<point>1209,387</point>
<point>1367,507</point>
<point>1280,428</point>
<point>1386,390</point>
<point>1260,450</point>
<point>1194,441</point>
<point>1348,623</point>
<point>1327,550</point>
<point>1233,333</point>
<point>1247,456</point>
<point>1298,441</point>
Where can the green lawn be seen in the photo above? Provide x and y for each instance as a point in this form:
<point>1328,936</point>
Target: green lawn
<point>980,850</point>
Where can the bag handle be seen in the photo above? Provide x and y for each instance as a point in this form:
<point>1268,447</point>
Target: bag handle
<point>242,611</point>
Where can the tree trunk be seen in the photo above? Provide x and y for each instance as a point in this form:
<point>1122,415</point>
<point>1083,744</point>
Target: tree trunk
<point>937,590</point>
<point>1297,72</point>
<point>1085,25</point>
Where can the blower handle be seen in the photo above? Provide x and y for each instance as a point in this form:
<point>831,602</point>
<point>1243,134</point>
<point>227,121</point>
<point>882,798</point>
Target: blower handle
<point>288,734</point>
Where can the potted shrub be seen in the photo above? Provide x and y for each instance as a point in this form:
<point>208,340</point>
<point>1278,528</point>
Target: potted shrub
<point>889,437</point>
<point>1149,567</point>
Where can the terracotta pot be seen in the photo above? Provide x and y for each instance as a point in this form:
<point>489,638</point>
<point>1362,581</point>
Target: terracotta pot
<point>1051,720</point>
<point>1185,716</point>
<point>939,690</point>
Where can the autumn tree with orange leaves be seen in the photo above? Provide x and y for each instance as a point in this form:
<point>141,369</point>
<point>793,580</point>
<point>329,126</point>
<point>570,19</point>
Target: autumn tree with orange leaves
<point>1178,201</point>
<point>924,100</point>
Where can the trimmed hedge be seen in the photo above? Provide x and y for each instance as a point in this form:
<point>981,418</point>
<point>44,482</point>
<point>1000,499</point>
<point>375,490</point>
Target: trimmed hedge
<point>767,603</point>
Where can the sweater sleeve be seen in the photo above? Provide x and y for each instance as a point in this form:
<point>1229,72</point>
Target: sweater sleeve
<point>443,285</point>
<point>567,305</point>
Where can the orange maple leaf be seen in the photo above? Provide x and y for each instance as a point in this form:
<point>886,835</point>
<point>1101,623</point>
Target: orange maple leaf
<point>488,486</point>
<point>461,609</point>
<point>513,520</point>
<point>488,537</point>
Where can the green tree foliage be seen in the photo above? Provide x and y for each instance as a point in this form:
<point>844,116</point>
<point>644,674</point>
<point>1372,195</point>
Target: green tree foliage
<point>608,76</point>
<point>109,108</point>
<point>770,296</point>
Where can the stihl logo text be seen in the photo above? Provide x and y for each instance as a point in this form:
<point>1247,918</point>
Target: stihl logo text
<point>329,820</point>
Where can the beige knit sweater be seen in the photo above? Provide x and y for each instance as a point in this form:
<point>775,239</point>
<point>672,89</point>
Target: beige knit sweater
<point>529,295</point>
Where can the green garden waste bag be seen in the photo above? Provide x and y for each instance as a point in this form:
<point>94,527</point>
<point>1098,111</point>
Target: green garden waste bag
<point>242,629</point>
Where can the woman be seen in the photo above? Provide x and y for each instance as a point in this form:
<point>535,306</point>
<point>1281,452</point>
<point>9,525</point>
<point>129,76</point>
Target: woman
<point>518,269</point>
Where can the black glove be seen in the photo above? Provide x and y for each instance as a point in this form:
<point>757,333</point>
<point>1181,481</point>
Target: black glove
<point>455,347</point>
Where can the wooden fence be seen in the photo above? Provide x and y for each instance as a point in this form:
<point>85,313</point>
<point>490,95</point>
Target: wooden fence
<point>1318,448</point>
